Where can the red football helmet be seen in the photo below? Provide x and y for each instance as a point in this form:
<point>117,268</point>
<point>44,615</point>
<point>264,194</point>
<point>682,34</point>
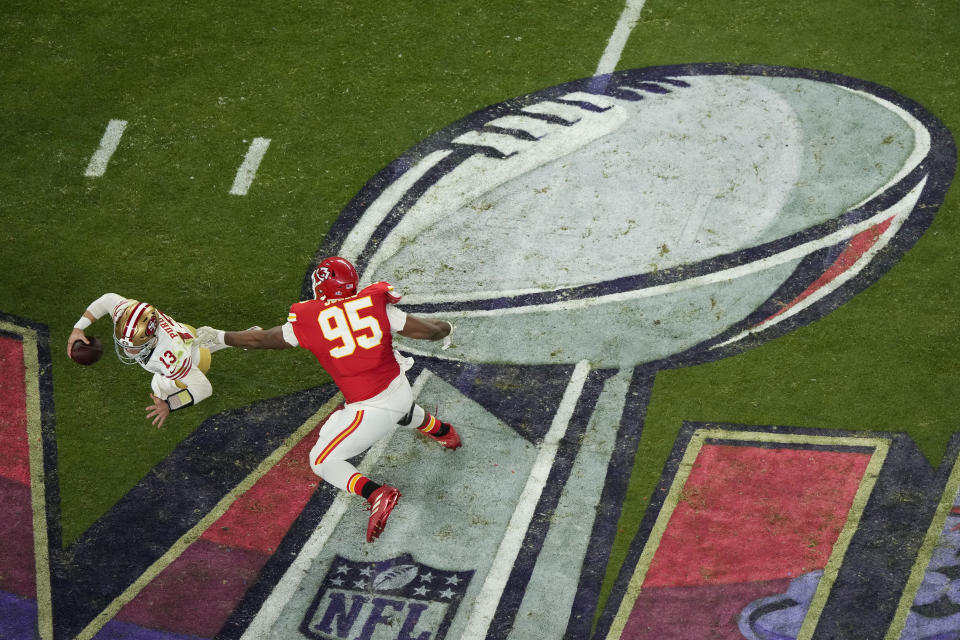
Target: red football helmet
<point>335,277</point>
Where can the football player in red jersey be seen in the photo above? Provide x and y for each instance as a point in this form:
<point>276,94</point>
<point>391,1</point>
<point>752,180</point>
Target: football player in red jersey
<point>350,333</point>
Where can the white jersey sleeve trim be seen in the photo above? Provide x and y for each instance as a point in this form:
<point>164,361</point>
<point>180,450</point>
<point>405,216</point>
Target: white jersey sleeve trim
<point>397,317</point>
<point>104,305</point>
<point>289,335</point>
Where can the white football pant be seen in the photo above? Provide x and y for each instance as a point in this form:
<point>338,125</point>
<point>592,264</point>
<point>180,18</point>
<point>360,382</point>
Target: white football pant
<point>357,426</point>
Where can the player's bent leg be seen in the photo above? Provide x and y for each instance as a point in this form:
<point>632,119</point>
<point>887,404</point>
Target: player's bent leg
<point>350,431</point>
<point>203,361</point>
<point>347,433</point>
<point>381,498</point>
<point>430,426</point>
<point>341,474</point>
<point>413,418</point>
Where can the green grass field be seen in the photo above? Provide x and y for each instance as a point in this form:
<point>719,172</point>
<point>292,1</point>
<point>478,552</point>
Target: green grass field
<point>342,89</point>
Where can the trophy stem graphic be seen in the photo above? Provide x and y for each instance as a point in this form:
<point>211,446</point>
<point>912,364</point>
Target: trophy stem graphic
<point>503,563</point>
<point>581,238</point>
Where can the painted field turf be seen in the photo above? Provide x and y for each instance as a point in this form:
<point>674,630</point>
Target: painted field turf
<point>18,588</point>
<point>341,89</point>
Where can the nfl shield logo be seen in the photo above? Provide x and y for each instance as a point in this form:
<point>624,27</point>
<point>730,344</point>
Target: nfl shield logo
<point>399,599</point>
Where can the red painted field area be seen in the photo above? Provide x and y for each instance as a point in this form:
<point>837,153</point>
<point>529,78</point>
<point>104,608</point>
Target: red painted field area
<point>749,519</point>
<point>17,572</point>
<point>196,593</point>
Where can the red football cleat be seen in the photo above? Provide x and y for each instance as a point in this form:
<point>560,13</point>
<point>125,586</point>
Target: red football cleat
<point>382,501</point>
<point>450,441</point>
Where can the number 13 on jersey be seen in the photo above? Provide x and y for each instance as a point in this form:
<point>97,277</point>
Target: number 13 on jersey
<point>347,326</point>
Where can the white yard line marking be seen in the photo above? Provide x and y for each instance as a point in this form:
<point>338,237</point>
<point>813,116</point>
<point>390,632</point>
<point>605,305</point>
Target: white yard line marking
<point>108,144</point>
<point>248,170</point>
<point>284,591</point>
<point>496,580</point>
<point>626,23</point>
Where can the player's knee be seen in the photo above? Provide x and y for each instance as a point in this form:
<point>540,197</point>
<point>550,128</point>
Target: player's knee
<point>319,463</point>
<point>317,468</point>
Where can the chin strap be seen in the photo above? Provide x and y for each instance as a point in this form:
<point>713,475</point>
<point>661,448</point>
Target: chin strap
<point>145,357</point>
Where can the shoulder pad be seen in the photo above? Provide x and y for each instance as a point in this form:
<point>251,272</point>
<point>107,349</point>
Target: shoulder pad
<point>384,288</point>
<point>302,307</point>
<point>292,314</point>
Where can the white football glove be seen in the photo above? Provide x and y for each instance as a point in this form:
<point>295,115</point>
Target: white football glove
<point>446,341</point>
<point>210,337</point>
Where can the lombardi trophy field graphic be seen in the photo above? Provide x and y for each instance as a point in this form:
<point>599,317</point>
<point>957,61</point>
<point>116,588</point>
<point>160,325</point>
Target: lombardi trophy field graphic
<point>581,238</point>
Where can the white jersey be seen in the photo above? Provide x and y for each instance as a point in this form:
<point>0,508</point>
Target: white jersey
<point>176,350</point>
<point>175,359</point>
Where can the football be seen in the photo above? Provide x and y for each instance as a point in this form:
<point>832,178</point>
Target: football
<point>670,212</point>
<point>83,353</point>
<point>395,577</point>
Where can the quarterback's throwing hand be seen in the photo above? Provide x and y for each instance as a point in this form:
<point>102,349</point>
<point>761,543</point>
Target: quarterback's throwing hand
<point>158,411</point>
<point>76,334</point>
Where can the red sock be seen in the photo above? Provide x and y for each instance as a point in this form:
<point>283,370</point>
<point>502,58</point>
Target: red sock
<point>361,485</point>
<point>433,426</point>
<point>430,424</point>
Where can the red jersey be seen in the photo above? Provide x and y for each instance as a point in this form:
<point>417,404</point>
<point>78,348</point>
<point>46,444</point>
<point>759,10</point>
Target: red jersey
<point>351,338</point>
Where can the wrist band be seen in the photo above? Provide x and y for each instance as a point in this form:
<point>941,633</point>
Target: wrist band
<point>179,400</point>
<point>82,323</point>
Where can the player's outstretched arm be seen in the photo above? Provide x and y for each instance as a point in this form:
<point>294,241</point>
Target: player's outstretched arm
<point>250,339</point>
<point>97,309</point>
<point>425,328</point>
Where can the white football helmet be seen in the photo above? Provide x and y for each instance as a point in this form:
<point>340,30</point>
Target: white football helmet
<point>135,332</point>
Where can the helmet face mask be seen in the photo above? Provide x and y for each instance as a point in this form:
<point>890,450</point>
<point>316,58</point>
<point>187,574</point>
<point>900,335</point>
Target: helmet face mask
<point>135,333</point>
<point>334,277</point>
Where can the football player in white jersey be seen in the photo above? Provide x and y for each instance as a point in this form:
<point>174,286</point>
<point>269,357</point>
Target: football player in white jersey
<point>166,348</point>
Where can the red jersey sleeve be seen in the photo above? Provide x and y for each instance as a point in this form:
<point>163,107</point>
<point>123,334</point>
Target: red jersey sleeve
<point>351,339</point>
